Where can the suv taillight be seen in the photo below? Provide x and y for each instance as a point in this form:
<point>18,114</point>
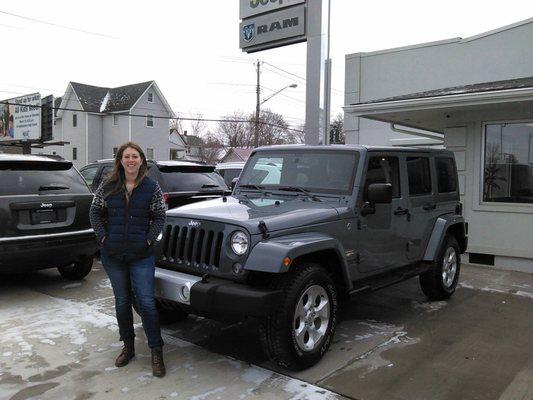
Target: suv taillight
<point>165,197</point>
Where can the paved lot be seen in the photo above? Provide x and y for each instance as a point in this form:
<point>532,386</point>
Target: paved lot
<point>58,340</point>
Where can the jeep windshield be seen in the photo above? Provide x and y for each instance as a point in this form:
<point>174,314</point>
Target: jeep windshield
<point>315,171</point>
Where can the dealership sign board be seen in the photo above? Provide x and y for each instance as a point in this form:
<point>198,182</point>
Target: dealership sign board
<point>249,8</point>
<point>19,120</point>
<point>273,29</point>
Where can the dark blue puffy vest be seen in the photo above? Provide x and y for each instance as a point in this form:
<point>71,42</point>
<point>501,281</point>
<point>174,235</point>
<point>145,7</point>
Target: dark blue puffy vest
<point>128,223</point>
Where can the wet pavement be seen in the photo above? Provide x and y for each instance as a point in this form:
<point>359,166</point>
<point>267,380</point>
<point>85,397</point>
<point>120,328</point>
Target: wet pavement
<point>58,340</point>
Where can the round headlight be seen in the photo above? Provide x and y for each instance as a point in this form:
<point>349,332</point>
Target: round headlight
<point>239,243</point>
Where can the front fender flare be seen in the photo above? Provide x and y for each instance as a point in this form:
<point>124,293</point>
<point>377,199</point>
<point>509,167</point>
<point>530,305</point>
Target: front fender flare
<point>268,255</point>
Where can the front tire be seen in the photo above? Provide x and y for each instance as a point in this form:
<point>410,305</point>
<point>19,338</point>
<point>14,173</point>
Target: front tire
<point>298,334</point>
<point>169,312</point>
<point>77,270</point>
<point>440,281</point>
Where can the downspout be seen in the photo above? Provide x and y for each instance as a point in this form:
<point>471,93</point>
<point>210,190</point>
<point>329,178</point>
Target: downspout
<point>433,135</point>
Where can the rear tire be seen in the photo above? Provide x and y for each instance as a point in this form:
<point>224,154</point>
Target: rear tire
<point>170,312</point>
<point>300,331</point>
<point>77,270</point>
<point>440,281</point>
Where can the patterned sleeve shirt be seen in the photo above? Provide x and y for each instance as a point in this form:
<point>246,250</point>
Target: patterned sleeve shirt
<point>98,214</point>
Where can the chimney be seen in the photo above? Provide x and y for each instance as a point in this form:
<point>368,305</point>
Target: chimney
<point>184,133</point>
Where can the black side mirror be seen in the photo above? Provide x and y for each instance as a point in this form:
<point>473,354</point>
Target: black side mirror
<point>380,193</point>
<point>233,183</point>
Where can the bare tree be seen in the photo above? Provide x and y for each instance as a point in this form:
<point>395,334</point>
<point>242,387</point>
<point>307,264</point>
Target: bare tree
<point>336,131</point>
<point>235,130</point>
<point>176,124</point>
<point>198,125</point>
<point>212,149</point>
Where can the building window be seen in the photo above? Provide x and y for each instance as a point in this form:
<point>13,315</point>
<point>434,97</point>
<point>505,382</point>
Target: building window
<point>115,119</point>
<point>150,153</point>
<point>150,121</point>
<point>419,176</point>
<point>508,163</point>
<point>150,97</point>
<point>174,154</point>
<point>74,153</point>
<point>115,149</point>
<point>446,175</point>
<point>74,119</point>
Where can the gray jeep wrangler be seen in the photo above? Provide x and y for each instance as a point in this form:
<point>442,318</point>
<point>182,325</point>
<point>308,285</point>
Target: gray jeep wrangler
<point>307,226</point>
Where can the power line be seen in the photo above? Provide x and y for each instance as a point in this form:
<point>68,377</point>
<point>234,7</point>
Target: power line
<point>31,106</point>
<point>57,25</point>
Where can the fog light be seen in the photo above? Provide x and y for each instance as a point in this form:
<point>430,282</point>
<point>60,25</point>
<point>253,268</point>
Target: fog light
<point>237,269</point>
<point>185,293</point>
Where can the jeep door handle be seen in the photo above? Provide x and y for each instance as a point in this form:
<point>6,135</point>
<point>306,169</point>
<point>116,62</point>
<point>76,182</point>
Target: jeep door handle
<point>401,211</point>
<point>429,206</point>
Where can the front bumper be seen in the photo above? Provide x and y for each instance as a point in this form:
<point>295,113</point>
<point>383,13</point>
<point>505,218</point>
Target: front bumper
<point>216,296</point>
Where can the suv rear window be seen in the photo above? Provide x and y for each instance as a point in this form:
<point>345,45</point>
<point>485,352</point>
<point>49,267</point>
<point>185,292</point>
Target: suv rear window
<point>36,177</point>
<point>190,178</point>
<point>446,175</point>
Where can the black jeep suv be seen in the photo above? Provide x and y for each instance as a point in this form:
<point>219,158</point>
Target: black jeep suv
<point>305,226</point>
<point>182,182</point>
<point>44,217</point>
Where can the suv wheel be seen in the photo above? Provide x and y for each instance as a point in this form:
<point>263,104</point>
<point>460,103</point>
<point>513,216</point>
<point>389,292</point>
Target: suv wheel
<point>169,312</point>
<point>298,334</point>
<point>77,270</point>
<point>440,281</point>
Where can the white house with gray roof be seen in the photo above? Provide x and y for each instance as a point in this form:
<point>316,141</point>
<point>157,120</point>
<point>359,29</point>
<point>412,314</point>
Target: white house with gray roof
<point>95,121</point>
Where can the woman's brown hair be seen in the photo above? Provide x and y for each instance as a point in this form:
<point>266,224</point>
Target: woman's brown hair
<point>115,181</point>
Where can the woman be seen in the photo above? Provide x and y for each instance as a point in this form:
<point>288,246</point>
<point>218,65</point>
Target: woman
<point>127,215</point>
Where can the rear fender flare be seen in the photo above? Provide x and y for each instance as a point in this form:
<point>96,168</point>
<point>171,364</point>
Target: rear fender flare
<point>441,227</point>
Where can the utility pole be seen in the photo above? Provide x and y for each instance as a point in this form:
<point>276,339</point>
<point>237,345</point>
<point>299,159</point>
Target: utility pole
<point>257,104</point>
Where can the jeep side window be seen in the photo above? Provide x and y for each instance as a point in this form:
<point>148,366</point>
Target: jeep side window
<point>446,175</point>
<point>419,175</point>
<point>383,169</point>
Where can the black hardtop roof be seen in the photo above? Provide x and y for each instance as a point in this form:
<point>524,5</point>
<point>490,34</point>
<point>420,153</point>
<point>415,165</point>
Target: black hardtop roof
<point>352,147</point>
<point>30,157</point>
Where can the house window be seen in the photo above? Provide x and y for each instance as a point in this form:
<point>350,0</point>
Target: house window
<point>419,176</point>
<point>115,119</point>
<point>150,97</point>
<point>150,121</point>
<point>115,149</point>
<point>174,154</point>
<point>508,163</point>
<point>74,119</point>
<point>74,153</point>
<point>150,153</point>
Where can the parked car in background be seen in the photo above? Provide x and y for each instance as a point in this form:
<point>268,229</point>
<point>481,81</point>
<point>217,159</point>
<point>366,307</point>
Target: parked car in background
<point>182,182</point>
<point>44,217</point>
<point>229,171</point>
<point>305,226</point>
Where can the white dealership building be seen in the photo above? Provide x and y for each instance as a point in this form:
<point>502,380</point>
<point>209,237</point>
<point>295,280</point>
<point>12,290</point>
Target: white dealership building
<point>474,95</point>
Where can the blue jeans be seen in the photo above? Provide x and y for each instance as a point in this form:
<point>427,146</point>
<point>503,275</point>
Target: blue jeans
<point>134,278</point>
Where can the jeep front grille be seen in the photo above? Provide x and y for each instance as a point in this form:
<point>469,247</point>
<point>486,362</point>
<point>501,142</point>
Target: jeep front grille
<point>192,246</point>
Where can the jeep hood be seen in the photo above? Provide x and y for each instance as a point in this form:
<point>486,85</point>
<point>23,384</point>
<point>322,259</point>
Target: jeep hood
<point>278,213</point>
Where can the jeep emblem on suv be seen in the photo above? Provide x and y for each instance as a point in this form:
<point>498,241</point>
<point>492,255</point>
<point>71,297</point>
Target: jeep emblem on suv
<point>46,205</point>
<point>194,224</point>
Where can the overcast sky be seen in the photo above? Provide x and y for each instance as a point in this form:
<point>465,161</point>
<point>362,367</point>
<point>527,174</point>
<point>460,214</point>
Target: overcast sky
<point>190,47</point>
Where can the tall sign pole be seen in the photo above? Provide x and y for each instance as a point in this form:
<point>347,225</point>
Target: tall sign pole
<point>257,104</point>
<point>315,97</point>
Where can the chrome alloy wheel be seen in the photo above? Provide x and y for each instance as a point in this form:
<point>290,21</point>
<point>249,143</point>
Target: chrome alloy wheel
<point>311,318</point>
<point>449,266</point>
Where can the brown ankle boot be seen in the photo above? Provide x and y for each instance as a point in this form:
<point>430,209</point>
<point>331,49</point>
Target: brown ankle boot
<point>158,366</point>
<point>127,353</point>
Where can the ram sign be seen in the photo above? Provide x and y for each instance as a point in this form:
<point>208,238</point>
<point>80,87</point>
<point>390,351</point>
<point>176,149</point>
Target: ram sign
<point>273,29</point>
<point>20,121</point>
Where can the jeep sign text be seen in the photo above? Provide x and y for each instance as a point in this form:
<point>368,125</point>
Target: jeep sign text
<point>250,8</point>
